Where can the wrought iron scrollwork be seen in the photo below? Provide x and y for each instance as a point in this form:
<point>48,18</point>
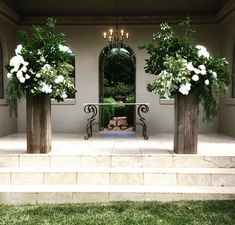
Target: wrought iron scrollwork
<point>143,108</point>
<point>90,108</point>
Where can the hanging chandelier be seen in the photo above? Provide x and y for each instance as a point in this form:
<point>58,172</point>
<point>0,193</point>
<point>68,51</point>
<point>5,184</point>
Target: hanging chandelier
<point>115,37</point>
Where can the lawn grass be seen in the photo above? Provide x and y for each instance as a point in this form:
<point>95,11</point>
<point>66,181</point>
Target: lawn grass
<point>122,213</point>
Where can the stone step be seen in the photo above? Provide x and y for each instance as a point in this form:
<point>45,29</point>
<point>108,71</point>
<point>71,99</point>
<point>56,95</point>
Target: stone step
<point>117,176</point>
<point>35,194</point>
<point>157,160</point>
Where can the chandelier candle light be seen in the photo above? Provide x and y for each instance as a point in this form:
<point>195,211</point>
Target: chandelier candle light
<point>115,36</point>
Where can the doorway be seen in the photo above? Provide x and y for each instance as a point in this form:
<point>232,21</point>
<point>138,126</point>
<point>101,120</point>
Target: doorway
<point>117,88</point>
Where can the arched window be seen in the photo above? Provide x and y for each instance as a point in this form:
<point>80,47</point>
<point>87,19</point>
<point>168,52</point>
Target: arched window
<point>1,73</point>
<point>233,70</point>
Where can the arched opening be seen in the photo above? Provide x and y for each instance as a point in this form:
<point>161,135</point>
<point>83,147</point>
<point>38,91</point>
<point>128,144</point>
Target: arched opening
<point>117,77</point>
<point>1,74</point>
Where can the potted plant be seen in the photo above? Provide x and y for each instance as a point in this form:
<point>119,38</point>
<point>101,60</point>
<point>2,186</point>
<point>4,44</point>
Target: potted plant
<point>190,74</point>
<point>40,70</point>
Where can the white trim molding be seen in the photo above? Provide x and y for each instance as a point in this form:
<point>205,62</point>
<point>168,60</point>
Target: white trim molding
<point>68,101</point>
<point>165,101</point>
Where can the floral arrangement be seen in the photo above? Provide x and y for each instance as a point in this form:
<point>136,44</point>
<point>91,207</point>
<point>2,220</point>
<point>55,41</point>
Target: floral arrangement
<point>42,64</point>
<point>181,66</point>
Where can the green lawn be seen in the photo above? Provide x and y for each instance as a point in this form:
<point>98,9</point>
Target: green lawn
<point>128,213</point>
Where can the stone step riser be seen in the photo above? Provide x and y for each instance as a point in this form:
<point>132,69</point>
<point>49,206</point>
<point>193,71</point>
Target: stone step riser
<point>81,195</point>
<point>187,161</point>
<point>118,178</point>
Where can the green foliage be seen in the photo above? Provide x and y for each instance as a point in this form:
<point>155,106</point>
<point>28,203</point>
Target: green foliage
<point>41,65</point>
<point>118,89</point>
<point>108,111</point>
<point>122,213</point>
<point>181,66</point>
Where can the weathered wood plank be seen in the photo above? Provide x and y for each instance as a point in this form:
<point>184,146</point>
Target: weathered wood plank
<point>186,123</point>
<point>38,124</point>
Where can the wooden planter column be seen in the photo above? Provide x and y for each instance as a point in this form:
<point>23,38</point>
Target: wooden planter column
<point>38,123</point>
<point>186,123</point>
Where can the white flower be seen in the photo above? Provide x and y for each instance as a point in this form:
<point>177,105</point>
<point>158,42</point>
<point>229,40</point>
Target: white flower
<point>185,88</point>
<point>25,63</point>
<point>195,77</point>
<point>197,71</point>
<point>16,61</point>
<point>207,82</point>
<point>64,95</point>
<point>21,79</point>
<point>27,76</point>
<point>59,79</point>
<point>18,49</point>
<point>190,66</point>
<point>46,67</point>
<point>24,69</point>
<point>203,72</point>
<point>9,75</point>
<point>214,74</point>
<point>38,75</point>
<point>19,74</point>
<point>42,59</point>
<point>202,67</point>
<point>202,51</point>
<point>46,88</point>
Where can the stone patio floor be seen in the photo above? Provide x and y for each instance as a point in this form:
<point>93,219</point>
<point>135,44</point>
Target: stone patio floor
<point>120,143</point>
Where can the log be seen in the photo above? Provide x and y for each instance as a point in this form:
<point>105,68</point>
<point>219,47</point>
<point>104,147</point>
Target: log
<point>38,112</point>
<point>186,123</point>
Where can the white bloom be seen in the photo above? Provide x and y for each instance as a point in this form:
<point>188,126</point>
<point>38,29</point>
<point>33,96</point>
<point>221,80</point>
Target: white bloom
<point>190,66</point>
<point>24,69</point>
<point>42,59</point>
<point>46,88</point>
<point>15,69</point>
<point>64,48</point>
<point>197,71</point>
<point>18,49</point>
<point>207,82</point>
<point>16,61</point>
<point>27,76</point>
<point>202,67</point>
<point>9,75</point>
<point>64,95</point>
<point>46,67</point>
<point>202,51</point>
<point>59,79</point>
<point>21,79</point>
<point>19,74</point>
<point>203,72</point>
<point>185,88</point>
<point>214,74</point>
<point>195,77</point>
<point>38,75</point>
<point>25,63</point>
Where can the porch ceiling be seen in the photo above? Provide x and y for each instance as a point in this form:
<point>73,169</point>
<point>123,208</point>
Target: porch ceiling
<point>107,7</point>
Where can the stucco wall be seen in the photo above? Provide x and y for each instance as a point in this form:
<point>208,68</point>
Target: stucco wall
<point>227,111</point>
<point>87,43</point>
<point>8,41</point>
